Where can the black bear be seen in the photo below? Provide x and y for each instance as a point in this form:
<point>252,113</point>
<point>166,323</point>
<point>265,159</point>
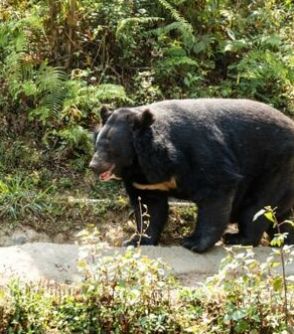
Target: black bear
<point>232,157</point>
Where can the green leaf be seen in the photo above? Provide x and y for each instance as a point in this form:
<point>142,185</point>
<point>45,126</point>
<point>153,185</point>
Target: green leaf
<point>278,283</point>
<point>270,216</point>
<point>279,239</point>
<point>30,88</point>
<point>238,314</point>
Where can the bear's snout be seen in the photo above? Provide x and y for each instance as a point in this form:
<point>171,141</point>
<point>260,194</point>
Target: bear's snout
<point>99,165</point>
<point>93,165</point>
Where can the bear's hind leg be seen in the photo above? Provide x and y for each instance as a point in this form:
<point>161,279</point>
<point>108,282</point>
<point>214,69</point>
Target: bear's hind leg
<point>213,218</point>
<point>272,193</point>
<point>250,232</point>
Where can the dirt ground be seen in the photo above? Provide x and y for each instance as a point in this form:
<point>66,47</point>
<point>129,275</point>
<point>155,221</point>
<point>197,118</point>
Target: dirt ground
<point>58,262</point>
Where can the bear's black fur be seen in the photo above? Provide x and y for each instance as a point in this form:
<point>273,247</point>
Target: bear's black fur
<point>230,157</point>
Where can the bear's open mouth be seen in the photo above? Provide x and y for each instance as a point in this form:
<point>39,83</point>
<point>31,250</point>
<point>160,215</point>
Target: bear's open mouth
<point>108,175</point>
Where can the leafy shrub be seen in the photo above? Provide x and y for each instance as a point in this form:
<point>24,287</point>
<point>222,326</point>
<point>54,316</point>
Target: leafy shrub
<point>20,156</point>
<point>245,297</point>
<point>18,198</point>
<point>129,293</point>
<point>56,106</point>
<point>29,309</point>
<point>60,60</point>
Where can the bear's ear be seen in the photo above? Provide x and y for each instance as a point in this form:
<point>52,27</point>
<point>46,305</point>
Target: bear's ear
<point>144,119</point>
<point>104,114</point>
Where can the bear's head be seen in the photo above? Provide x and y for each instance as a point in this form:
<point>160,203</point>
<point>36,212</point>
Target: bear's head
<point>114,142</point>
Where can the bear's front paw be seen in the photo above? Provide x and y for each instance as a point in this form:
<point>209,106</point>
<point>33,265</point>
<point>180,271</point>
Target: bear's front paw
<point>137,241</point>
<point>195,244</point>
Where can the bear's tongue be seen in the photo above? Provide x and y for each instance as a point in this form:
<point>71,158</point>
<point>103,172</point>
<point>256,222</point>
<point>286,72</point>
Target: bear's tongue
<point>105,176</point>
<point>108,175</point>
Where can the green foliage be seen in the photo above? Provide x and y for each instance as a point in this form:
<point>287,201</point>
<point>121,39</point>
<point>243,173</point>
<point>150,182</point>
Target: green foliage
<point>17,199</point>
<point>130,293</point>
<point>19,156</point>
<point>48,203</point>
<point>60,60</point>
<point>244,297</point>
<point>30,309</point>
<point>29,84</point>
<point>124,293</point>
<point>56,105</point>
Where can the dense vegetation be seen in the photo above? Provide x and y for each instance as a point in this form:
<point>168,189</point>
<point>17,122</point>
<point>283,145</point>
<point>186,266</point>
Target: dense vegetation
<point>61,60</point>
<point>133,294</point>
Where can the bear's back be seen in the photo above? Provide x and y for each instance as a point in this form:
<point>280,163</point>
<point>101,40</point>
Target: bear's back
<point>251,129</point>
<point>250,117</point>
<point>219,108</point>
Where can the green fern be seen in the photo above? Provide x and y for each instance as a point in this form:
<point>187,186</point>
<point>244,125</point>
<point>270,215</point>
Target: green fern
<point>180,24</point>
<point>49,95</point>
<point>124,26</point>
<point>110,92</point>
<point>176,15</point>
<point>187,35</point>
<point>74,138</point>
<point>50,78</point>
<point>40,85</point>
<point>50,82</point>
